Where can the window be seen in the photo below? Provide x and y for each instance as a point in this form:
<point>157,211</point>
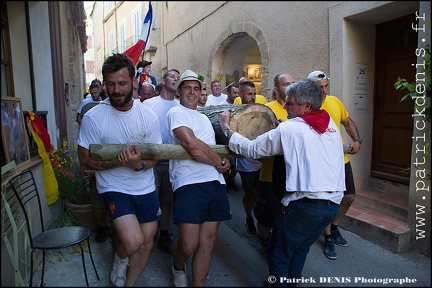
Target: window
<point>111,43</point>
<point>110,6</point>
<point>136,24</point>
<point>122,41</point>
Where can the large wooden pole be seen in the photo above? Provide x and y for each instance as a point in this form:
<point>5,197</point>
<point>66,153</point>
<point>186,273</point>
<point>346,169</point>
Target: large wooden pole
<point>153,151</point>
<point>250,120</point>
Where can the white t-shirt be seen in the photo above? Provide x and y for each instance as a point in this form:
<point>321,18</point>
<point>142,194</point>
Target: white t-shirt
<point>105,125</point>
<point>185,172</point>
<point>215,100</point>
<point>161,107</point>
<point>314,166</point>
<point>225,102</point>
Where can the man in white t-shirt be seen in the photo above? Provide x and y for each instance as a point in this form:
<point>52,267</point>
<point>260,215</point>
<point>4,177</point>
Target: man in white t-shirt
<point>161,105</point>
<point>95,97</point>
<point>217,96</point>
<point>200,200</point>
<point>126,182</point>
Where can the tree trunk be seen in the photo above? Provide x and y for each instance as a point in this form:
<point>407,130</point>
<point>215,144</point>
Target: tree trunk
<point>250,120</point>
<point>153,151</point>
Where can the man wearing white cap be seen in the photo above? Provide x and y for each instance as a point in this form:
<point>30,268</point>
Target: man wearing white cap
<point>200,200</point>
<point>340,115</point>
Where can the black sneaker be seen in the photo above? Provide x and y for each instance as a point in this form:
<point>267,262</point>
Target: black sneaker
<point>250,226</point>
<point>101,234</point>
<point>165,243</point>
<point>329,249</point>
<point>338,239</point>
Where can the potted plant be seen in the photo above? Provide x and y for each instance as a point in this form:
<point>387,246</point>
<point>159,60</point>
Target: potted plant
<point>72,186</point>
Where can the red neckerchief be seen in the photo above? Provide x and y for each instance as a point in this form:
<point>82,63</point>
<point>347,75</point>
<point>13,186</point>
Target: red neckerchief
<point>318,120</point>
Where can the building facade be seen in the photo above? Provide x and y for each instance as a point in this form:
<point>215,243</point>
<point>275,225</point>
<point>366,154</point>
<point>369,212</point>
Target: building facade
<point>363,46</point>
<point>42,69</point>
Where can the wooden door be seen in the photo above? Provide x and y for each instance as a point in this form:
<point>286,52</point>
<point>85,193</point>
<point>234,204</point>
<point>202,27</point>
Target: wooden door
<point>396,42</point>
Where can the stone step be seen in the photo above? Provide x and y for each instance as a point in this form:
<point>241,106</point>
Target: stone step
<point>390,204</point>
<point>385,230</point>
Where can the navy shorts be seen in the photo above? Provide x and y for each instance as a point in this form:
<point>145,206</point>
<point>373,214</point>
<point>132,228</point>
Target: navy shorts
<point>201,202</point>
<point>349,180</point>
<point>146,207</point>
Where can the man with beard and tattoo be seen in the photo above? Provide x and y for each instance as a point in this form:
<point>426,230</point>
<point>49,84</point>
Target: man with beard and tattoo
<point>126,183</point>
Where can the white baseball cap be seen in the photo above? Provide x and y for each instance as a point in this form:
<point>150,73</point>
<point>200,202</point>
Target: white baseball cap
<point>317,76</point>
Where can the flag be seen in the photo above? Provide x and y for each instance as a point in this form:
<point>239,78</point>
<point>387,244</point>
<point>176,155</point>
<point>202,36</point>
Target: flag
<point>135,51</point>
<point>43,141</point>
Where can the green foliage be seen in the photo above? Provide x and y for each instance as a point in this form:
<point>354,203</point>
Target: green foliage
<point>402,84</point>
<point>66,218</point>
<point>71,184</point>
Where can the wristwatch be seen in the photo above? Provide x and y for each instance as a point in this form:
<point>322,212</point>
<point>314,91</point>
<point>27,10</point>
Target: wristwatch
<point>226,131</point>
<point>359,139</point>
<point>141,168</point>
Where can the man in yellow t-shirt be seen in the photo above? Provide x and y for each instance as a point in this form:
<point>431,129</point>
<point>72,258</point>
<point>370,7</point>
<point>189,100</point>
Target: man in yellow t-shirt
<point>340,115</point>
<point>258,98</point>
<point>269,195</point>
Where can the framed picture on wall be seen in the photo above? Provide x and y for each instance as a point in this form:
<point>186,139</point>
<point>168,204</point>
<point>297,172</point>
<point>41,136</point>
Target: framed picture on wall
<point>254,73</point>
<point>14,136</point>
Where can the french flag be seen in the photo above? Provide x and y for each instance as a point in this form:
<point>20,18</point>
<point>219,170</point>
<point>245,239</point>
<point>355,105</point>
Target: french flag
<point>135,51</point>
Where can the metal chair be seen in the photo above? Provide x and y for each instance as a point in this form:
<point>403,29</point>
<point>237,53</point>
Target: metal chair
<point>25,190</point>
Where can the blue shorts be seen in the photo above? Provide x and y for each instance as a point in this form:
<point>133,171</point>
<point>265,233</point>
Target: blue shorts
<point>201,202</point>
<point>146,207</point>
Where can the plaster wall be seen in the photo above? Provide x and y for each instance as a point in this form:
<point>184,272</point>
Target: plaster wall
<point>291,36</point>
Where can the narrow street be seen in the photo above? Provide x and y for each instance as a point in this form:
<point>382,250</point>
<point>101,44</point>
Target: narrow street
<point>239,262</point>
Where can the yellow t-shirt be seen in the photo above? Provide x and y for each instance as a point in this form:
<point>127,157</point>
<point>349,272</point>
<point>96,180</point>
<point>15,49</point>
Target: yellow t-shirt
<point>267,166</point>
<point>260,99</point>
<point>337,112</point>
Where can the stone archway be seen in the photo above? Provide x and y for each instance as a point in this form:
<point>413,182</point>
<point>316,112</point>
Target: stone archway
<point>242,42</point>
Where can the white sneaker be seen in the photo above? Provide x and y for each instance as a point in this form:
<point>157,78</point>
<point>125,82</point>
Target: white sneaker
<point>119,271</point>
<point>180,278</point>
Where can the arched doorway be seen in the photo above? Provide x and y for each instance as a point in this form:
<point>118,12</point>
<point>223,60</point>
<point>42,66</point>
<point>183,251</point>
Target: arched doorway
<point>243,58</point>
<point>243,50</point>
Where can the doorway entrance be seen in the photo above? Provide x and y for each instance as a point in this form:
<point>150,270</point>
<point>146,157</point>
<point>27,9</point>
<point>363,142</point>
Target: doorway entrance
<point>396,42</point>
